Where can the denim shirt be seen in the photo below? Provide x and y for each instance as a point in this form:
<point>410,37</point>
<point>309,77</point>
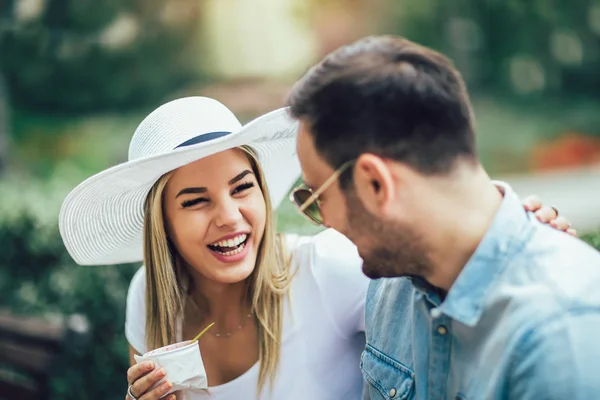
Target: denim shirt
<point>522,321</point>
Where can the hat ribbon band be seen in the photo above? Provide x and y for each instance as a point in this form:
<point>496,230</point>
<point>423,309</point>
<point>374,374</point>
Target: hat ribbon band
<point>205,137</point>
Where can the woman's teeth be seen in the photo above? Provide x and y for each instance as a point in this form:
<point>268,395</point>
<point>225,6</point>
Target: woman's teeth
<point>231,242</point>
<point>229,247</point>
<point>232,252</point>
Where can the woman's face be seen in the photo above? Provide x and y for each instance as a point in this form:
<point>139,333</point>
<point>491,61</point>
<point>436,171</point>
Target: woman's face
<point>215,215</point>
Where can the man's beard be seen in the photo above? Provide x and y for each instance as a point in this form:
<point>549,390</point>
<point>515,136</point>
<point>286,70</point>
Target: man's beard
<point>393,248</point>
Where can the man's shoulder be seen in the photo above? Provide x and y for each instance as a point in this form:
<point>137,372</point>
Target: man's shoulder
<point>389,290</point>
<point>388,302</point>
<point>546,243</point>
<point>557,266</point>
<point>552,274</point>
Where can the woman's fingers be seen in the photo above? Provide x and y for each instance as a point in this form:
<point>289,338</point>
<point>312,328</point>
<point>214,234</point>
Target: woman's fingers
<point>143,376</point>
<point>532,203</point>
<point>157,392</point>
<point>546,214</point>
<point>561,223</point>
<point>136,371</point>
<point>141,387</point>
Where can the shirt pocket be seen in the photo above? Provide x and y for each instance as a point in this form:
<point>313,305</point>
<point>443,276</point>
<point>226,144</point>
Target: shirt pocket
<point>388,379</point>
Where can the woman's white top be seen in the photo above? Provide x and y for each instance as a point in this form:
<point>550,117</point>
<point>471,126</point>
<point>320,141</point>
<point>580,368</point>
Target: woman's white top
<point>323,326</point>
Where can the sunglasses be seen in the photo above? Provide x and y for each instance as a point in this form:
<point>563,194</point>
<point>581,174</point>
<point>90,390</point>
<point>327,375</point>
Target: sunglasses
<point>307,200</point>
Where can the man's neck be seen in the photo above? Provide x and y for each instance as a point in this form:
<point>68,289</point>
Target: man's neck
<point>462,218</point>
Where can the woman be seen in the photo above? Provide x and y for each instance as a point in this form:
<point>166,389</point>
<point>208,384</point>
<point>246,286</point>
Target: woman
<point>196,199</point>
<point>195,202</point>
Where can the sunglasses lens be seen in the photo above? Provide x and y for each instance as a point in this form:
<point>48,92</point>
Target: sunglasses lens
<point>312,211</point>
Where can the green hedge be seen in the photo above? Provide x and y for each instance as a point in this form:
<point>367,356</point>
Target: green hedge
<point>593,239</point>
<point>37,277</point>
<point>40,279</point>
<point>77,56</point>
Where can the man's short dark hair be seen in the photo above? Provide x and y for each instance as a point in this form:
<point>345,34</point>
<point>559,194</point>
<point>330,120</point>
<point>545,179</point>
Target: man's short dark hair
<point>391,97</point>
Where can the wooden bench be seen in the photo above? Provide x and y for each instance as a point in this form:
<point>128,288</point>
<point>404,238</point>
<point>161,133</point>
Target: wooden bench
<point>29,347</point>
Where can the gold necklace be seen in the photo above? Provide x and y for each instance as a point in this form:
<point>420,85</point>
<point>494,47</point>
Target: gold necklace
<point>220,334</point>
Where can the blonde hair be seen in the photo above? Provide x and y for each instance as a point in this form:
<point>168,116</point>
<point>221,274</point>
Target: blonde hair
<point>166,279</point>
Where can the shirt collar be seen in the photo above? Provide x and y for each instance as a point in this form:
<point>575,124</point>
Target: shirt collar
<point>427,290</point>
<point>465,300</point>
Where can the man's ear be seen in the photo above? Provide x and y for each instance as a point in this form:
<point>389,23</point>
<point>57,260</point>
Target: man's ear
<point>374,183</point>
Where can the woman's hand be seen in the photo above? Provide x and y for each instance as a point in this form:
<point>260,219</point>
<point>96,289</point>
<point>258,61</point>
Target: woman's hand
<point>548,215</point>
<point>141,377</point>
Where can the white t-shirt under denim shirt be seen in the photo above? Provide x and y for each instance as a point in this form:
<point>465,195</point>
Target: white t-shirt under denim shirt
<point>323,335</point>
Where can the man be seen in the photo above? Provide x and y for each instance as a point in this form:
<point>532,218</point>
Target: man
<point>496,305</point>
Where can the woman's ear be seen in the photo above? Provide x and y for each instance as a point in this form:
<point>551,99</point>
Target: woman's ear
<point>374,183</point>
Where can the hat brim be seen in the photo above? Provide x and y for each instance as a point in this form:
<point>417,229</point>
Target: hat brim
<point>101,220</point>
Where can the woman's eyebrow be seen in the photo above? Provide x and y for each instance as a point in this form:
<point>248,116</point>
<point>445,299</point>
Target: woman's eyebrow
<point>240,176</point>
<point>191,190</point>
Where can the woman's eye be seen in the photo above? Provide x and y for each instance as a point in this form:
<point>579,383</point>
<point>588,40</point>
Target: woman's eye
<point>193,202</point>
<point>242,187</point>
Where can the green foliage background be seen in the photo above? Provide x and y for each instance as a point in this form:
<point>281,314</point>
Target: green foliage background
<point>65,59</point>
<point>484,37</point>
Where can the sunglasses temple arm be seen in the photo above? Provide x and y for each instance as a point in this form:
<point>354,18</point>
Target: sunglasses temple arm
<point>320,190</point>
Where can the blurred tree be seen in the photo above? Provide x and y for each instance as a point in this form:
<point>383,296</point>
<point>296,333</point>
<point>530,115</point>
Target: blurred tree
<point>3,126</point>
<point>81,55</point>
<point>524,47</point>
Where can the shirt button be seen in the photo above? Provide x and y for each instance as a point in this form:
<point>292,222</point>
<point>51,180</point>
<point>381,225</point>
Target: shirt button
<point>392,392</point>
<point>442,330</point>
<point>435,313</point>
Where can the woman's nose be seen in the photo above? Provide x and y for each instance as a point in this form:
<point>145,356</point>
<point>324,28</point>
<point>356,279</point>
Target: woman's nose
<point>228,213</point>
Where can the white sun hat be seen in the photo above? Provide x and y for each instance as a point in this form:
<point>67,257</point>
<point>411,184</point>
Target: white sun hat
<point>101,220</point>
